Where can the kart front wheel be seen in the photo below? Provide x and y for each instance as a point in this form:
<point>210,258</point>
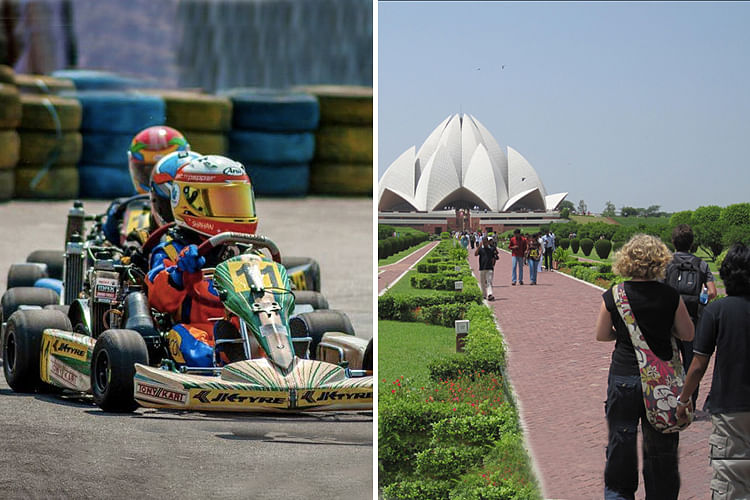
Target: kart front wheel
<point>315,299</point>
<point>315,324</point>
<point>113,367</point>
<point>53,259</point>
<point>22,344</point>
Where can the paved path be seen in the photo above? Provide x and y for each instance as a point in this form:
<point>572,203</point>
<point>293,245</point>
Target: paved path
<point>559,373</point>
<point>390,274</point>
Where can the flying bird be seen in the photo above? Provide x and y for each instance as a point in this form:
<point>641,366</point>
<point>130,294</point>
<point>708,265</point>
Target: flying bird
<point>479,69</point>
<point>502,67</point>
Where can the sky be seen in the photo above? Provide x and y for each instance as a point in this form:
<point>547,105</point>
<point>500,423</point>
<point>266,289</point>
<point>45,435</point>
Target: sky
<point>637,103</point>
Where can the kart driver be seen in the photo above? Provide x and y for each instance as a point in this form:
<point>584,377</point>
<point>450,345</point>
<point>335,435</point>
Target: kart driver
<point>128,217</point>
<point>210,195</point>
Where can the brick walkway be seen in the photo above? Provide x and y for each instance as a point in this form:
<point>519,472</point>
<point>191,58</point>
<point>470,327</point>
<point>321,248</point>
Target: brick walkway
<point>388,275</point>
<point>559,373</point>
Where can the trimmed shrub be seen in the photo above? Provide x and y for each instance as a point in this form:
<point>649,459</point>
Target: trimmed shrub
<point>587,244</point>
<point>418,490</point>
<point>447,462</point>
<point>617,244</point>
<point>565,243</point>
<point>445,235</point>
<point>603,247</point>
<point>575,245</point>
<point>605,268</point>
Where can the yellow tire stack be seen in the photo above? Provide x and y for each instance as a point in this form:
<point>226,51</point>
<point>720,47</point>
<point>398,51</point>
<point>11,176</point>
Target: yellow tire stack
<point>10,144</point>
<point>50,144</point>
<point>343,142</point>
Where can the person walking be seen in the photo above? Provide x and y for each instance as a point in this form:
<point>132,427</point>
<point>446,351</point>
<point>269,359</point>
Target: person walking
<point>724,328</point>
<point>549,247</point>
<point>517,251</point>
<point>689,274</point>
<point>488,255</point>
<point>660,313</point>
<point>533,256</point>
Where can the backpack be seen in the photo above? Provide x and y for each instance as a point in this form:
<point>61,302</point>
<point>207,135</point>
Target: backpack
<point>684,275</point>
<point>534,253</point>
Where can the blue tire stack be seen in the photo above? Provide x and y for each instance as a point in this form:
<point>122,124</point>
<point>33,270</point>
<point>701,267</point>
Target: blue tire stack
<point>273,136</point>
<point>110,120</point>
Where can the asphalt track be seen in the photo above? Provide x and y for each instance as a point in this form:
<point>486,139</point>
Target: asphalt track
<point>65,447</point>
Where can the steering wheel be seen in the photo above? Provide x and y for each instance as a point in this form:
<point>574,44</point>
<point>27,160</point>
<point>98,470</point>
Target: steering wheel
<point>250,239</point>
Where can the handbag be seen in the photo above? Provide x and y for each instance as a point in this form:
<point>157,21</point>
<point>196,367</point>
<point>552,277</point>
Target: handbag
<point>661,380</point>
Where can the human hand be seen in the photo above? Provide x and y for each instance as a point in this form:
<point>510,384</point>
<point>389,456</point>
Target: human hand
<point>189,261</point>
<point>684,411</point>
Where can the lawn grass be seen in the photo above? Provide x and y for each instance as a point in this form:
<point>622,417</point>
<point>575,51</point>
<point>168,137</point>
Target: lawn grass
<point>585,219</point>
<point>400,255</point>
<point>405,349</point>
<point>634,221</point>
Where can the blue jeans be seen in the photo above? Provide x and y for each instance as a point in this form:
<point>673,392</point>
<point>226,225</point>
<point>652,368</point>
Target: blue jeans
<point>533,268</point>
<point>624,408</point>
<point>517,263</point>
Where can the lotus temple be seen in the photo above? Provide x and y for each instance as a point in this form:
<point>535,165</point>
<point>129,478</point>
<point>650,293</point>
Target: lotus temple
<point>461,179</point>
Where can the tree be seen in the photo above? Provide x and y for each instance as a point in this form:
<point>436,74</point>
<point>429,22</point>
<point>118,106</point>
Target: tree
<point>737,214</point>
<point>652,211</point>
<point>628,211</point>
<point>684,217</point>
<point>609,209</point>
<point>565,213</point>
<point>582,208</point>
<point>708,229</point>
<point>567,204</point>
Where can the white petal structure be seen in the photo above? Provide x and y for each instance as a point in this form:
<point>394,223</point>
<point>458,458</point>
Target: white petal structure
<point>461,165</point>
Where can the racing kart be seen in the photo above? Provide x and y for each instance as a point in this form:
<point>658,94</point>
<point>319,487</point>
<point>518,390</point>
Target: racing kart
<point>124,367</point>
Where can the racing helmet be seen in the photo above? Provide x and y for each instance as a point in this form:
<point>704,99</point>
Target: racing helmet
<point>162,177</point>
<point>213,194</point>
<point>148,147</point>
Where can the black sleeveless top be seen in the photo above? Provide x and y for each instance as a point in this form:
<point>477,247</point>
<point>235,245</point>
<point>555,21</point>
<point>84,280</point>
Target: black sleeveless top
<point>654,305</point>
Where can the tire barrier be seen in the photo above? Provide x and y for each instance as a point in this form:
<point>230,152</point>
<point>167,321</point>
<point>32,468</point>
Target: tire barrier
<point>341,179</point>
<point>343,154</point>
<point>7,75</point>
<point>85,79</point>
<point>7,184</point>
<point>37,148</point>
<point>279,180</point>
<point>207,143</point>
<point>44,112</point>
<point>273,111</point>
<point>10,106</point>
<point>249,146</point>
<point>273,137</point>
<point>41,84</point>
<point>104,182</point>
<point>39,181</point>
<point>10,146</point>
<point>110,119</point>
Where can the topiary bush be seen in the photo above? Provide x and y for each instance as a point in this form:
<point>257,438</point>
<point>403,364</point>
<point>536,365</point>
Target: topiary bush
<point>603,248</point>
<point>445,235</point>
<point>575,245</point>
<point>587,244</point>
<point>565,243</point>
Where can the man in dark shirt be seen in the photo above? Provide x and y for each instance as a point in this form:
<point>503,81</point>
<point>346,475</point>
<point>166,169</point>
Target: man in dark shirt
<point>517,251</point>
<point>487,256</point>
<point>724,328</point>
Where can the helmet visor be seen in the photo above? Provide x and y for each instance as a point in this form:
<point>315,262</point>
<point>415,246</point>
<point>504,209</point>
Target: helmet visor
<point>226,201</point>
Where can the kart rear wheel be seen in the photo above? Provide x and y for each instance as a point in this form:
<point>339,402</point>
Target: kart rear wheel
<point>113,367</point>
<point>312,272</point>
<point>25,274</point>
<point>53,259</point>
<point>316,299</point>
<point>22,345</point>
<point>315,324</point>
<point>26,296</point>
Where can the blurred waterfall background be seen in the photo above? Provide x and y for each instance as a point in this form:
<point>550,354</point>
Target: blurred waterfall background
<point>206,44</point>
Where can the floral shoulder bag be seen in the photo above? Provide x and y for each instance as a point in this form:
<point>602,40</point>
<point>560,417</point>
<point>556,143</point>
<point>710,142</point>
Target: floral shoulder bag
<point>661,380</point>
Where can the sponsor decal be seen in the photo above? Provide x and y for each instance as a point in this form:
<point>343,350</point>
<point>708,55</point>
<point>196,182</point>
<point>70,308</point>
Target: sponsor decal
<point>69,350</point>
<point>106,288</point>
<point>298,278</point>
<point>65,376</point>
<point>239,398</point>
<point>331,396</point>
<point>154,392</point>
<point>234,171</point>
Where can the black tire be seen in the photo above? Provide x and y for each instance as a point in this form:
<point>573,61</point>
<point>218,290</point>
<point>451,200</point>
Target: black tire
<point>53,258</point>
<point>312,273</point>
<point>25,274</point>
<point>26,296</point>
<point>22,344</point>
<point>113,367</point>
<point>367,357</point>
<point>315,324</point>
<point>58,307</point>
<point>316,299</point>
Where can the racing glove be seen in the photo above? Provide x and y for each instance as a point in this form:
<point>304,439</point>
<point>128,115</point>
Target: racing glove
<point>187,262</point>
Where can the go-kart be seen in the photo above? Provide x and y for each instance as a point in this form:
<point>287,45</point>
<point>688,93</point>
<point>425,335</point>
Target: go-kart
<point>123,367</point>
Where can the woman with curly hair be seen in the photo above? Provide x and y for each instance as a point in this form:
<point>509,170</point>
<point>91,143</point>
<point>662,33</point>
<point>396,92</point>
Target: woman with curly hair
<point>660,314</point>
<point>724,328</point>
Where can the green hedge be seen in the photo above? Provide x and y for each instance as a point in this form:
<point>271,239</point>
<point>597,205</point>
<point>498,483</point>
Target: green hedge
<point>587,244</point>
<point>395,244</point>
